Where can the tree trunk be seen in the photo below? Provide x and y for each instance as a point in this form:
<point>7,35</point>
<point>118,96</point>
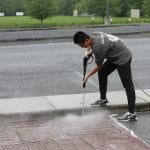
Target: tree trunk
<point>103,19</point>
<point>41,21</point>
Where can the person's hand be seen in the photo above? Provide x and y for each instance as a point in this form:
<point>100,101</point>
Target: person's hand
<point>85,80</point>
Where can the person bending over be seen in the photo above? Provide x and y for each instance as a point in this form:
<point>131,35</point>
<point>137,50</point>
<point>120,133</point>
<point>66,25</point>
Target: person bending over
<point>110,53</point>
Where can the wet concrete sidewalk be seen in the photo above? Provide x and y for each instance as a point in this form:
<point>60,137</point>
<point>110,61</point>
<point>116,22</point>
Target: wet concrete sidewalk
<point>96,131</point>
<point>47,123</point>
<point>63,104</point>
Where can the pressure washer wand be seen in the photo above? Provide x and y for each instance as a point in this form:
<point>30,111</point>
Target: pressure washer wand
<point>85,63</point>
<point>83,96</point>
<point>85,59</point>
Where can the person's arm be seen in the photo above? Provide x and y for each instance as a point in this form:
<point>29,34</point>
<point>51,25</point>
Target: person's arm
<point>92,72</point>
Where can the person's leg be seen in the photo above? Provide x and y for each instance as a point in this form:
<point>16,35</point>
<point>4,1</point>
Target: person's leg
<point>103,73</point>
<point>126,78</point>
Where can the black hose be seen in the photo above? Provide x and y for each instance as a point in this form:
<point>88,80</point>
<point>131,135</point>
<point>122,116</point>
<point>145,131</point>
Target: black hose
<point>141,88</point>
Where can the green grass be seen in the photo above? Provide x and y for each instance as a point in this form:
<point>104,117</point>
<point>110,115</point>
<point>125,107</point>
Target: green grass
<point>124,20</point>
<point>61,21</point>
<point>15,22</point>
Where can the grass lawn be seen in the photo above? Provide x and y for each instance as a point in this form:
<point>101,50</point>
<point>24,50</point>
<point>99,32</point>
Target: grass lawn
<point>14,22</point>
<point>61,21</point>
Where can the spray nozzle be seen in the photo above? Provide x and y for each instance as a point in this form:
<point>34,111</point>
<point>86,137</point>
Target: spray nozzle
<point>86,60</point>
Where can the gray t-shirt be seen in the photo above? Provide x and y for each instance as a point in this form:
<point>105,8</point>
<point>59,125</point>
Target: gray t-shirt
<point>106,46</point>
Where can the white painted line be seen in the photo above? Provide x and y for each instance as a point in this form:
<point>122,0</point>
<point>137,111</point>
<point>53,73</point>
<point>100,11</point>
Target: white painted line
<point>128,130</point>
<point>90,81</point>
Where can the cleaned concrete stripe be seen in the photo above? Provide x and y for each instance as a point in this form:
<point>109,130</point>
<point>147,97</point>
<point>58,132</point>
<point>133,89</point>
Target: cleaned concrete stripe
<point>75,100</point>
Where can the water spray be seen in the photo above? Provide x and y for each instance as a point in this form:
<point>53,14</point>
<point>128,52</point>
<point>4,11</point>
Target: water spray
<point>86,60</point>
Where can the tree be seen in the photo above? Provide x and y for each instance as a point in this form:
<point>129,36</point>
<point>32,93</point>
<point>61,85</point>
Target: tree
<point>136,4</point>
<point>81,6</point>
<point>41,9</point>
<point>114,7</point>
<point>99,7</point>
<point>10,7</point>
<point>146,8</point>
<point>66,7</point>
<point>125,8</point>
<point>96,7</point>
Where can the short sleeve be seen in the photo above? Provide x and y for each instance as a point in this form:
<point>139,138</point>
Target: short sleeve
<point>99,46</point>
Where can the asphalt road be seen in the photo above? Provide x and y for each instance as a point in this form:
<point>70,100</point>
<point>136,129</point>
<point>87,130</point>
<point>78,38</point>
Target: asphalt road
<point>56,68</point>
<point>53,34</point>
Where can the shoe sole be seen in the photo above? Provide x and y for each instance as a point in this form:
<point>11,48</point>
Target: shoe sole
<point>94,105</point>
<point>103,104</point>
<point>135,119</point>
<point>99,104</point>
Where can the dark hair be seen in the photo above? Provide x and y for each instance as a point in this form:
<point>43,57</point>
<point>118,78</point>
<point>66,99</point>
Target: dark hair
<point>80,37</point>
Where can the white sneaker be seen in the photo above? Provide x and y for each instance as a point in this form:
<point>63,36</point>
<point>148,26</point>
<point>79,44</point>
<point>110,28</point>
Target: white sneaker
<point>99,101</point>
<point>128,117</point>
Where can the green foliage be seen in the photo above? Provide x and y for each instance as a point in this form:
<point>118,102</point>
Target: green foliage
<point>125,8</point>
<point>81,7</point>
<point>97,7</point>
<point>65,7</point>
<point>41,9</point>
<point>57,21</point>
<point>146,8</point>
<point>114,7</point>
<point>61,21</point>
<point>136,4</point>
<point>10,7</point>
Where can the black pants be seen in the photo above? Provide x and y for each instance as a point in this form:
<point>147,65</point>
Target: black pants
<point>126,79</point>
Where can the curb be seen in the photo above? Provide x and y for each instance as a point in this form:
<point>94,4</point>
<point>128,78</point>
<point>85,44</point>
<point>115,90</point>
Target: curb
<point>35,39</point>
<point>59,36</point>
<point>142,107</point>
<point>65,37</point>
<point>51,114</point>
<point>69,111</point>
<point>69,27</point>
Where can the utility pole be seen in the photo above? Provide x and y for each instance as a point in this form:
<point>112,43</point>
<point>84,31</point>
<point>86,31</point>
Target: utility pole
<point>107,19</point>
